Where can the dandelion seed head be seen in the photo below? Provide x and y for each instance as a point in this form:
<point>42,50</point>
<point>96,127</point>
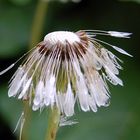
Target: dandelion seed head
<point>69,67</point>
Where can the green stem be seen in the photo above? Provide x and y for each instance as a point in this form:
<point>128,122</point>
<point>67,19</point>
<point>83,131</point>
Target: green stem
<point>37,28</point>
<point>53,123</point>
<point>27,111</point>
<point>38,22</point>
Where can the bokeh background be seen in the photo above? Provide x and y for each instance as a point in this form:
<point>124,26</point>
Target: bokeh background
<point>119,121</point>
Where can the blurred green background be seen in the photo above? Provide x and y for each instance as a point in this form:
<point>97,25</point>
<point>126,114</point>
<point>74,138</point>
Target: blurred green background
<point>119,121</point>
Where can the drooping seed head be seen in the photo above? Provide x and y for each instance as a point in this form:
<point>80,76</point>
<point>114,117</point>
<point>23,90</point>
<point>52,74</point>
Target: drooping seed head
<point>67,67</point>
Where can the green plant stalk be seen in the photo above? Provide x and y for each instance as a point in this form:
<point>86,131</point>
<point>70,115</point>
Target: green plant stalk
<point>38,22</point>
<point>36,32</point>
<point>27,116</point>
<point>53,123</point>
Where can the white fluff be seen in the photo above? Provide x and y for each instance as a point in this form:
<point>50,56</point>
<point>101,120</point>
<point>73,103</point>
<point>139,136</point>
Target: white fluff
<point>82,61</point>
<point>121,51</point>
<point>38,93</point>
<point>25,89</point>
<point>69,102</point>
<point>119,34</point>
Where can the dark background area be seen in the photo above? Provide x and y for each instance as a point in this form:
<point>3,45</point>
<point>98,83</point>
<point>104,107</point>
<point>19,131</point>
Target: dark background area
<point>119,121</point>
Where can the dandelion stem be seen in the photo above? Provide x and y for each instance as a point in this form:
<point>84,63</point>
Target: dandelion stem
<point>38,21</point>
<point>27,117</point>
<point>53,123</point>
<point>37,27</point>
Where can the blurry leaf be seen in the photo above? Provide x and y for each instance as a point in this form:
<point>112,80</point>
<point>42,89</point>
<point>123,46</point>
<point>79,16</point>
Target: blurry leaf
<point>20,2</point>
<point>10,108</point>
<point>14,30</point>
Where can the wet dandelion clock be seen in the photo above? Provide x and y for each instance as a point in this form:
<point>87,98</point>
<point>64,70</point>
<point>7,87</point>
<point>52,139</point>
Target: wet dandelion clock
<point>68,68</point>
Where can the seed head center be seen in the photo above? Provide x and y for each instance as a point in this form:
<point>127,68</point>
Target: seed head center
<point>61,36</point>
